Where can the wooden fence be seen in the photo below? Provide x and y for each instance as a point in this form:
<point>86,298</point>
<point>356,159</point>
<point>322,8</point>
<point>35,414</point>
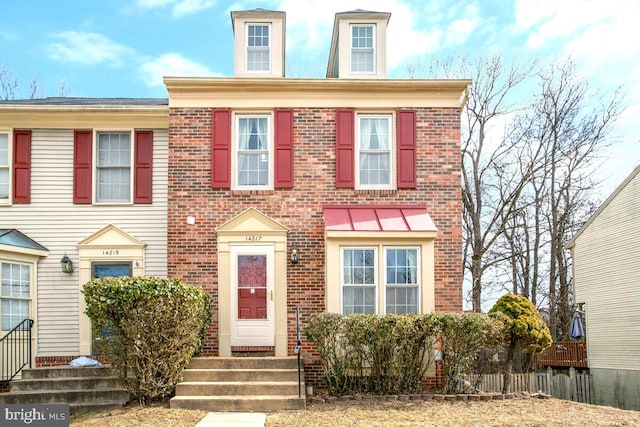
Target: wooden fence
<point>576,387</point>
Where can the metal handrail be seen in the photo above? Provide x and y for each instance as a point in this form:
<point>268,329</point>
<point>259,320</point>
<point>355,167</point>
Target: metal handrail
<point>15,349</point>
<point>298,349</point>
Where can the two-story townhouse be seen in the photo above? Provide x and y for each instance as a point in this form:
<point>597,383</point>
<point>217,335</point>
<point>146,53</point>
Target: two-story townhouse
<point>83,193</point>
<point>339,194</point>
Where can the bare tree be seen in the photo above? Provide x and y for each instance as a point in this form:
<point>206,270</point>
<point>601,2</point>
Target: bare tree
<point>573,129</point>
<point>10,86</point>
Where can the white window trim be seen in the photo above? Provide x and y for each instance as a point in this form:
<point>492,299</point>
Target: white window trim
<point>94,171</point>
<point>373,47</point>
<point>32,286</point>
<point>376,284</point>
<point>8,201</point>
<point>392,155</point>
<point>269,47</point>
<point>418,274</point>
<point>234,151</point>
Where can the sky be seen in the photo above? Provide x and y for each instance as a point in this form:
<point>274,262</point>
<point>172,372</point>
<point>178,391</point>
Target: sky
<point>123,48</point>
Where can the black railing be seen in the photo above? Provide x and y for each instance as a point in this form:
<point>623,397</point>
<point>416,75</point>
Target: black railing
<point>298,350</point>
<point>15,352</point>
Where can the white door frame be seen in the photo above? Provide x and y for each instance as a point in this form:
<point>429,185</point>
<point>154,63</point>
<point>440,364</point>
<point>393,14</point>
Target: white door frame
<point>252,332</point>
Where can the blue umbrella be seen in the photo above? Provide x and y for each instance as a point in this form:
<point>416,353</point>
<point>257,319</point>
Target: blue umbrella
<point>577,331</point>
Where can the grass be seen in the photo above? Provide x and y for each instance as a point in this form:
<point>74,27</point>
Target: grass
<point>519,412</point>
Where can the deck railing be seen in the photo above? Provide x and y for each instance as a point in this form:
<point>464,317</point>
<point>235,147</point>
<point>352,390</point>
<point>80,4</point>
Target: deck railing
<point>15,352</point>
<point>564,354</point>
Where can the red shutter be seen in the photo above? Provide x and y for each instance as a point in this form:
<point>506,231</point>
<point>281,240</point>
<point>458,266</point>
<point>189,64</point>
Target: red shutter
<point>344,148</point>
<point>283,148</point>
<point>406,129</point>
<point>221,148</point>
<point>143,160</point>
<point>22,166</point>
<point>82,168</point>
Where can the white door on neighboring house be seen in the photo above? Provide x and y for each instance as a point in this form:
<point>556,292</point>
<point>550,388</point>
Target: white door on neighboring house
<point>252,299</point>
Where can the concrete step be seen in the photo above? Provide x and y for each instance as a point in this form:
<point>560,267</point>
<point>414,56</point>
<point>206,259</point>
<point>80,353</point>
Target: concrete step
<point>244,388</point>
<point>60,383</point>
<point>66,372</point>
<point>240,375</point>
<point>244,363</point>
<point>252,403</point>
<point>65,396</point>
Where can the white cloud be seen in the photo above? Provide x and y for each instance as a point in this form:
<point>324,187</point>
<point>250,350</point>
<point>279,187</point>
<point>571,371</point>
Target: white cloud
<point>179,8</point>
<point>171,64</point>
<point>88,49</point>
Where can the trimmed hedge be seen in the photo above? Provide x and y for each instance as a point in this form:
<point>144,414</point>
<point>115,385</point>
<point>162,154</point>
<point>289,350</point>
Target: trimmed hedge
<point>372,354</point>
<point>148,329</point>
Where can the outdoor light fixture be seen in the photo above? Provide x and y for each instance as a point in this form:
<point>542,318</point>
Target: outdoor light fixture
<point>294,254</point>
<point>66,264</point>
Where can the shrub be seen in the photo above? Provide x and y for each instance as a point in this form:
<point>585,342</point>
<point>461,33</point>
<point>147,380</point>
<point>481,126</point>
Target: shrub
<point>148,329</point>
<point>524,328</point>
<point>462,338</point>
<point>373,354</point>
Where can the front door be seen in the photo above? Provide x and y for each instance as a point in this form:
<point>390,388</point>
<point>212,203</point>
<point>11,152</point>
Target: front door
<point>252,299</point>
<point>100,270</point>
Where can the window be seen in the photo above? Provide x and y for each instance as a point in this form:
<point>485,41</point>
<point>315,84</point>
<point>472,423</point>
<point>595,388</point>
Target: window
<point>399,278</point>
<point>401,287</point>
<point>362,51</point>
<point>253,151</point>
<point>15,294</point>
<point>374,152</point>
<point>113,167</point>
<point>359,281</point>
<point>258,47</point>
<point>5,160</point>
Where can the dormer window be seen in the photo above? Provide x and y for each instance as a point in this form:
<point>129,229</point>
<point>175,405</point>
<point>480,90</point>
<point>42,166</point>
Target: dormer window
<point>258,47</point>
<point>362,48</point>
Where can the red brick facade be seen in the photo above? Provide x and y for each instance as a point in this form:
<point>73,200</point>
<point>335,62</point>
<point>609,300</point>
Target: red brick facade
<point>192,250</point>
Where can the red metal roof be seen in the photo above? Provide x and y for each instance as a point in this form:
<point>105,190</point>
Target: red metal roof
<point>377,218</point>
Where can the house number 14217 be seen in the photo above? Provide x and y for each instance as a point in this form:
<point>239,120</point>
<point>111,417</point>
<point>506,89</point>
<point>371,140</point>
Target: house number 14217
<point>253,238</point>
<point>110,252</point>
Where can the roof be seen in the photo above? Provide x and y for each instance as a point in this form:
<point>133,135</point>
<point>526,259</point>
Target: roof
<point>13,237</point>
<point>66,101</point>
<point>606,203</point>
<point>377,218</point>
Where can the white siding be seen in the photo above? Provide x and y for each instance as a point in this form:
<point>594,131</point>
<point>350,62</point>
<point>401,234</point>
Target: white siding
<point>55,222</point>
<point>607,279</point>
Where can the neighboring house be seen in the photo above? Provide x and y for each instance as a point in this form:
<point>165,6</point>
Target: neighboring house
<point>85,179</point>
<point>606,272</point>
<point>339,194</point>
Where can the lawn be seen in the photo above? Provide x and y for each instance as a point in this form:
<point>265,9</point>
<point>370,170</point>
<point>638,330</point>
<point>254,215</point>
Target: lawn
<point>518,412</point>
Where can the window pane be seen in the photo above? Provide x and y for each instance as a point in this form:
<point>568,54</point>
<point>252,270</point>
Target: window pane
<point>358,299</point>
<point>253,151</point>
<point>4,183</point>
<point>258,55</point>
<point>362,51</point>
<point>402,281</point>
<point>15,292</point>
<point>374,145</point>
<point>14,312</point>
<point>114,167</point>
<point>4,149</point>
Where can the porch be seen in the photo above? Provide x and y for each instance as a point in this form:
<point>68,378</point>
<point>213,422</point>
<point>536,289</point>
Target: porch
<point>566,354</point>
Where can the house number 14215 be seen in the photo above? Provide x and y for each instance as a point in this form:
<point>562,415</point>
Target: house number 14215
<point>253,238</point>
